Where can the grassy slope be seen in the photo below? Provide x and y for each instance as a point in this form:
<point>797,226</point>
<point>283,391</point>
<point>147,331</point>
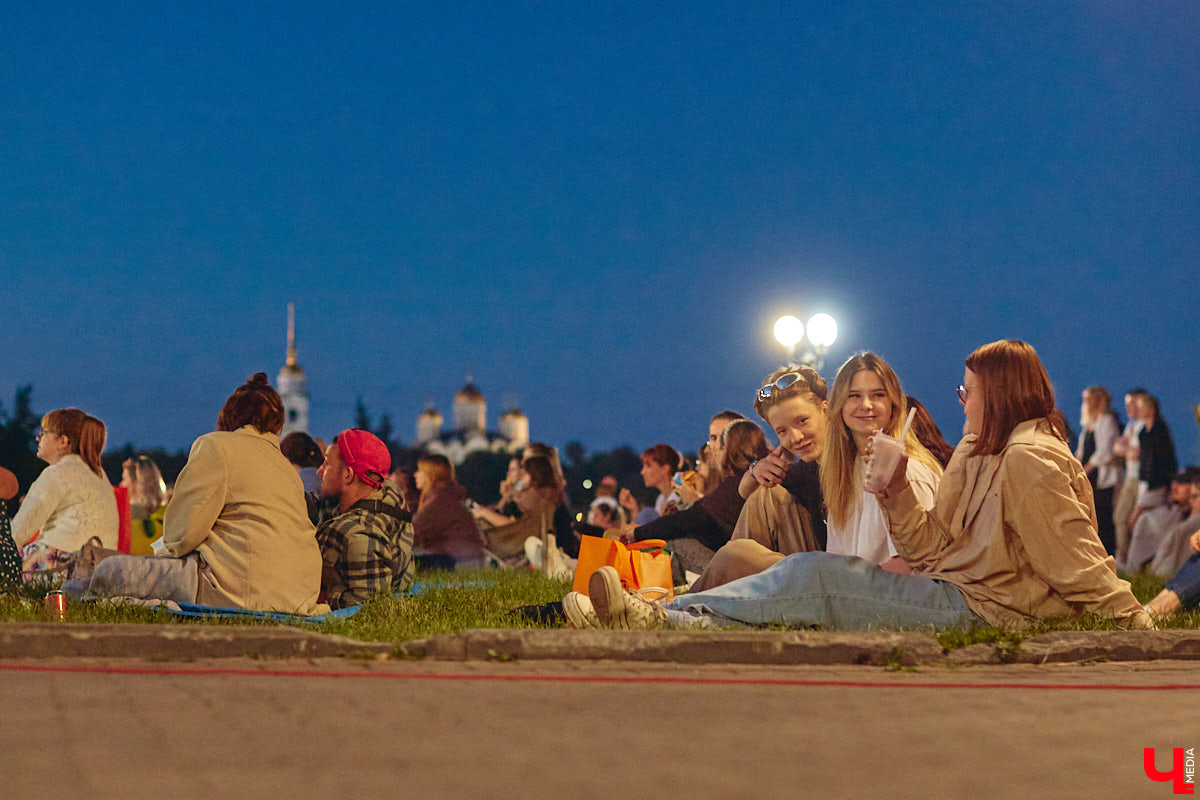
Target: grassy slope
<point>480,599</point>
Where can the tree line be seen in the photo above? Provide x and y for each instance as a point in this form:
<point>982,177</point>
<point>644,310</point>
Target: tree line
<point>480,473</point>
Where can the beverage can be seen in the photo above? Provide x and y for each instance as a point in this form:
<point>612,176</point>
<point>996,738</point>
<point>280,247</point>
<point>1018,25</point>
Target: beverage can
<point>56,605</point>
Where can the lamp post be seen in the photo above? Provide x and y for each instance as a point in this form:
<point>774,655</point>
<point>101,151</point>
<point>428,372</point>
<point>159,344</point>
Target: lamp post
<point>822,332</point>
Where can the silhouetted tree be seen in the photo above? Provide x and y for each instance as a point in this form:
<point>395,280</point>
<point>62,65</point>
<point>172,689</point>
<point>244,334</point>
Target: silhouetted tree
<point>18,447</point>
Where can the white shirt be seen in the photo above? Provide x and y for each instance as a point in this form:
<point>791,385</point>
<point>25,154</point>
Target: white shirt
<point>69,504</point>
<point>1132,465</point>
<point>866,532</point>
<point>1108,473</point>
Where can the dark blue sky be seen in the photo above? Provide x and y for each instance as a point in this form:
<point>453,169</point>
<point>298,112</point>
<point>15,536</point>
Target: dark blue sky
<point>599,211</point>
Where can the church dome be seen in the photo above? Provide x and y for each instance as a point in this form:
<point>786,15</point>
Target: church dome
<point>468,394</point>
<point>431,414</point>
<point>513,413</point>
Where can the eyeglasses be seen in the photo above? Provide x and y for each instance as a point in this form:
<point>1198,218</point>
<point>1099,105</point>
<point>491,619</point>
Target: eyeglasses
<point>781,383</point>
<point>962,394</point>
<point>40,432</point>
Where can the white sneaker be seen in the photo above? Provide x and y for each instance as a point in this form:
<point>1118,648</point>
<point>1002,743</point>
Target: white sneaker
<point>579,612</point>
<point>617,608</point>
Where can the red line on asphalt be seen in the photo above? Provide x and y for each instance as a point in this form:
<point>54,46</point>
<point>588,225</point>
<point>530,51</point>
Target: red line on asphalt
<point>429,676</point>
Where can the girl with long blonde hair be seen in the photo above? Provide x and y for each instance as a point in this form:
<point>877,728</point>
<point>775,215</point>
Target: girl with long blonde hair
<point>867,397</point>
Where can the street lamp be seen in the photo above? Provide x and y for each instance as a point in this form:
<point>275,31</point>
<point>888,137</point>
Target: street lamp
<point>822,332</point>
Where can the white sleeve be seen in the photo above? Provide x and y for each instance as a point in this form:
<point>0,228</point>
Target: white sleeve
<point>45,495</point>
<point>1106,436</point>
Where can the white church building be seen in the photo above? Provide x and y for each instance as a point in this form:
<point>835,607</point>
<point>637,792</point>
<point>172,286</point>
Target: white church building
<point>469,431</point>
<point>467,434</point>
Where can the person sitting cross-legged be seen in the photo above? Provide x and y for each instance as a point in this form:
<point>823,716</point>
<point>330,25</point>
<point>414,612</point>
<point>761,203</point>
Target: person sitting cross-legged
<point>367,547</point>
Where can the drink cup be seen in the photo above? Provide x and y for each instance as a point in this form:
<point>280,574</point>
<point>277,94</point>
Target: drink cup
<point>885,455</point>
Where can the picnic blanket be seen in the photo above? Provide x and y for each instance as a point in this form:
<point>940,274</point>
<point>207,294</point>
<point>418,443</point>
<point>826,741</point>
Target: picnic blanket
<point>195,610</point>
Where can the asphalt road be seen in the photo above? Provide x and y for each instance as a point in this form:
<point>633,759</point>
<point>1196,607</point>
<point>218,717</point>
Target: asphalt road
<point>349,729</point>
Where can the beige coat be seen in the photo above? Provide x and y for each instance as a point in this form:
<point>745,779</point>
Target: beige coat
<point>1016,532</point>
<point>240,505</point>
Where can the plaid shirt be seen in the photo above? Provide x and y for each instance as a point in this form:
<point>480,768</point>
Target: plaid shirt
<point>366,551</point>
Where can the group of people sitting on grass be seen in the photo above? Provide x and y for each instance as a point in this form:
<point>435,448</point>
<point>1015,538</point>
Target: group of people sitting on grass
<point>237,532</point>
<point>1000,530</point>
<point>1004,532</point>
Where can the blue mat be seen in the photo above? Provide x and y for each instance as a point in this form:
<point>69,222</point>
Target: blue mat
<point>193,610</point>
<point>419,588</point>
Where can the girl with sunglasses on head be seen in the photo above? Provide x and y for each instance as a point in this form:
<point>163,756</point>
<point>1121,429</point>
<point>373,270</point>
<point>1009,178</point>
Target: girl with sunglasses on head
<point>71,501</point>
<point>1011,538</point>
<point>783,510</point>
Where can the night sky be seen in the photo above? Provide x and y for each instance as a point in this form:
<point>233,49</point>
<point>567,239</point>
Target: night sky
<point>597,211</point>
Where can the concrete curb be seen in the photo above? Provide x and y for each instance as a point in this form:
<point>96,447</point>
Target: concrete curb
<point>686,647</point>
<point>172,642</point>
<point>875,648</point>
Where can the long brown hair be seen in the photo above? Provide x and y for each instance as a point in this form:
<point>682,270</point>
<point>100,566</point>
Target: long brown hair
<point>744,443</point>
<point>437,469</point>
<point>1015,388</point>
<point>928,433</point>
<point>85,434</point>
<point>838,456</point>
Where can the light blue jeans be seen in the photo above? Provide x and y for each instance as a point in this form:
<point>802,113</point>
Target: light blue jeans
<point>832,591</point>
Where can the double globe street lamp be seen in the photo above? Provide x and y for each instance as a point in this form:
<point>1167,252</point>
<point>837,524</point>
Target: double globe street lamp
<point>822,331</point>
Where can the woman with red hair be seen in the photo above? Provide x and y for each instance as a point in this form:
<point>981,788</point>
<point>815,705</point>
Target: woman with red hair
<point>72,500</point>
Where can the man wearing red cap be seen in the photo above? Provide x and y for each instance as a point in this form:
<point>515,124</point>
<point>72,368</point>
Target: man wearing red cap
<point>367,548</point>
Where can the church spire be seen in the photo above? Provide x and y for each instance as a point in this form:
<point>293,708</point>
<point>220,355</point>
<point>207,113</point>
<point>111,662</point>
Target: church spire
<point>291,348</point>
<point>292,384</point>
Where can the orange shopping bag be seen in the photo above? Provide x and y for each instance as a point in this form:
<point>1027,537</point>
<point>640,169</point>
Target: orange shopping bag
<point>641,565</point>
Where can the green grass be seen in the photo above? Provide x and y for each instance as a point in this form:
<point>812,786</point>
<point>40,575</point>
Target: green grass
<point>448,607</point>
<point>451,607</point>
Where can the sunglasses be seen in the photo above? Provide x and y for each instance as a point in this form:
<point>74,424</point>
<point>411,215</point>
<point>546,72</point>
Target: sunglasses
<point>781,383</point>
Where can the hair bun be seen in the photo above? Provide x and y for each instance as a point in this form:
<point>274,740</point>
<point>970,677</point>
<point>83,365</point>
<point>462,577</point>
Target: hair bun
<point>259,379</point>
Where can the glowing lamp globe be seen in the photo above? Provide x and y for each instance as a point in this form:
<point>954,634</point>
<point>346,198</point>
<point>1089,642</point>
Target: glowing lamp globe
<point>788,331</point>
<point>822,330</point>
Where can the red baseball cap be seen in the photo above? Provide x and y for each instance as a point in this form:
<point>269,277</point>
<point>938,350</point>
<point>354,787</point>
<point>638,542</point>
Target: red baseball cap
<point>365,454</point>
